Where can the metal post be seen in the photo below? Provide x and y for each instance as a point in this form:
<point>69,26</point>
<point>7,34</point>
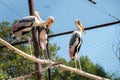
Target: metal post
<point>35,43</point>
<point>49,57</point>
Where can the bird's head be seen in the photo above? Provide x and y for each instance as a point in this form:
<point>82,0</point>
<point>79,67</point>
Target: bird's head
<point>37,15</point>
<point>80,26</point>
<point>49,21</point>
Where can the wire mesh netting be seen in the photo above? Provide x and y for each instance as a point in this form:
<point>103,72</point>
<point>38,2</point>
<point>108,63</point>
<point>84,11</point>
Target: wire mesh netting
<point>101,45</point>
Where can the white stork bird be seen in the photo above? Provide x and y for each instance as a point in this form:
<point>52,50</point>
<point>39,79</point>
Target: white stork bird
<point>43,30</point>
<point>75,42</point>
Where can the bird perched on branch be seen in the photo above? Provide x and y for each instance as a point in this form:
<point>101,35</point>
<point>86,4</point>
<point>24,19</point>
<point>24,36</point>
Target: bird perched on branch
<point>42,37</point>
<point>43,31</point>
<point>75,42</point>
<point>24,26</point>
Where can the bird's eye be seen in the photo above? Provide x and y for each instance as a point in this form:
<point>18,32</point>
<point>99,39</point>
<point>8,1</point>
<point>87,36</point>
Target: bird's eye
<point>47,26</point>
<point>51,21</point>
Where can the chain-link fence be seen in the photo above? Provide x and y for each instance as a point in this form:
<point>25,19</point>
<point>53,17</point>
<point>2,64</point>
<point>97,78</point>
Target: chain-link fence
<point>101,45</point>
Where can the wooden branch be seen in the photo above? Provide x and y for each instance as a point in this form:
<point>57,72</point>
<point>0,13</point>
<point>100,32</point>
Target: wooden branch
<point>61,66</point>
<point>25,55</point>
<point>80,72</point>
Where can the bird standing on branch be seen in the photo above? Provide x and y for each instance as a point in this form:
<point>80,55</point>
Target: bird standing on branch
<point>24,26</point>
<point>43,31</point>
<point>75,42</point>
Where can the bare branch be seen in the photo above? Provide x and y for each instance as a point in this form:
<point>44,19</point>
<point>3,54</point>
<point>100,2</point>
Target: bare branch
<point>61,66</point>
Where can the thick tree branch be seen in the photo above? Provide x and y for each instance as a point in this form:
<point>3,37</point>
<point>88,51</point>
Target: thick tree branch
<point>61,66</point>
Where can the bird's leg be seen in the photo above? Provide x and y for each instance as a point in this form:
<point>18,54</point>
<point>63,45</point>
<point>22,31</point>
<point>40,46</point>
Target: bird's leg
<point>30,48</point>
<point>43,53</point>
<point>79,64</point>
<point>46,53</point>
<point>29,42</point>
<point>47,50</point>
<point>75,63</point>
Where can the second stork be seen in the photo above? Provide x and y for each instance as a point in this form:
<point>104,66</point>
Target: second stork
<point>76,42</point>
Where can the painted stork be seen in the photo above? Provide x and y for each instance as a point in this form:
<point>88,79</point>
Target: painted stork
<point>75,42</point>
<point>42,34</point>
<point>24,26</point>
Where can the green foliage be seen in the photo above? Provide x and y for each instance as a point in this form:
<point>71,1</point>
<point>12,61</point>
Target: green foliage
<point>87,65</point>
<point>3,75</point>
<point>117,78</point>
<point>100,71</point>
<point>5,28</point>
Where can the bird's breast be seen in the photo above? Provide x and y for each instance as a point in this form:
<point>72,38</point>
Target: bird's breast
<point>43,35</point>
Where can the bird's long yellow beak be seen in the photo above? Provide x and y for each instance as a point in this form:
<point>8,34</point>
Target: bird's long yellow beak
<point>83,29</point>
<point>80,26</point>
<point>49,21</point>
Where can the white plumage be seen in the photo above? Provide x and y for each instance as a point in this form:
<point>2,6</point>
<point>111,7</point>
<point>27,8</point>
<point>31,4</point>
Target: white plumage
<point>42,34</point>
<point>43,30</point>
<point>42,38</point>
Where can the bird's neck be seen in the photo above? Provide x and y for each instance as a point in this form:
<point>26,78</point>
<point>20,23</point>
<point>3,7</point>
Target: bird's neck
<point>79,30</point>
